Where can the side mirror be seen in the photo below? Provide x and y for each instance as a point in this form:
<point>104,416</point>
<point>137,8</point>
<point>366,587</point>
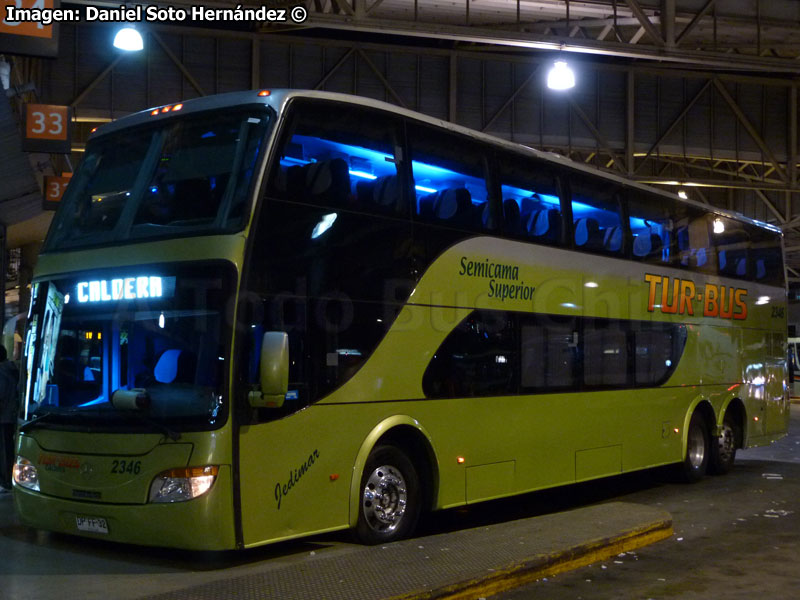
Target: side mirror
<point>273,370</point>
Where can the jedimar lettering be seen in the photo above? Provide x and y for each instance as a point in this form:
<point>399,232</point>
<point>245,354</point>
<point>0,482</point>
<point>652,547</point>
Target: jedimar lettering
<point>673,295</point>
<point>283,489</point>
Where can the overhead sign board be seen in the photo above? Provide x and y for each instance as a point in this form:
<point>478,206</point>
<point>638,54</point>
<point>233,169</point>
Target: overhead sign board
<point>28,37</point>
<point>54,188</point>
<point>48,128</point>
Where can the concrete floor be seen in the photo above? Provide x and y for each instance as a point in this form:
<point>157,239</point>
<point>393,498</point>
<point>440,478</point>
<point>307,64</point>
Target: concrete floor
<point>736,536</point>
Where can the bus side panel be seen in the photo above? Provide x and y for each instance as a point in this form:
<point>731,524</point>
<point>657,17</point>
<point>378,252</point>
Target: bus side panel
<point>293,477</point>
<point>754,353</point>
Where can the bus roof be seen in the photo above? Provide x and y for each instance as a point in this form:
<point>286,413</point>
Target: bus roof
<point>277,98</point>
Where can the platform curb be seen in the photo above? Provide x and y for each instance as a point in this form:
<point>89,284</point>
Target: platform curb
<point>547,565</point>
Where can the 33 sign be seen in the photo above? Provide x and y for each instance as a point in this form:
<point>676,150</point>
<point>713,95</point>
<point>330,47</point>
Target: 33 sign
<point>54,188</point>
<point>48,128</point>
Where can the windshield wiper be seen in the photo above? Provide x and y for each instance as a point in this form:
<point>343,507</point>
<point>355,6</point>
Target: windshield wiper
<point>170,433</point>
<point>34,420</point>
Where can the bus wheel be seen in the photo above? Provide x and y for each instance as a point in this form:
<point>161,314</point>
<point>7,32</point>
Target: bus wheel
<point>389,505</point>
<point>695,463</point>
<point>723,448</point>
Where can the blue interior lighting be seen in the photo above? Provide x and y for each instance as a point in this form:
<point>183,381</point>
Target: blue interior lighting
<point>363,174</point>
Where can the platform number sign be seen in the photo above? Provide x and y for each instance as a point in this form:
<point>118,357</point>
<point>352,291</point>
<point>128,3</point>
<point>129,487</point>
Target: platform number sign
<point>54,188</point>
<point>48,128</point>
<point>29,38</point>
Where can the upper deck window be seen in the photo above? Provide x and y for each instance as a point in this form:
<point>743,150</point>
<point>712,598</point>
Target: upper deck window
<point>185,176</point>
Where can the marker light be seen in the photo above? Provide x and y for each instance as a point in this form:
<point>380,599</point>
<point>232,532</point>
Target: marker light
<point>153,113</point>
<point>682,194</point>
<point>461,460</point>
<point>560,76</point>
<point>177,107</point>
<point>179,485</point>
<point>25,474</point>
<point>719,226</point>
<point>263,93</point>
<point>128,39</point>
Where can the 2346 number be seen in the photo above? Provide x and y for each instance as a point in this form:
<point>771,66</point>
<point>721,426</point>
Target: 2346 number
<point>132,467</point>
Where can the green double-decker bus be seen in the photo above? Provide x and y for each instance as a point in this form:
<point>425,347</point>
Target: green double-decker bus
<point>268,314</point>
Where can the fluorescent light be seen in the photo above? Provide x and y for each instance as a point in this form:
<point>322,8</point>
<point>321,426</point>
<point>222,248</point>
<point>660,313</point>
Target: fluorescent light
<point>128,39</point>
<point>363,174</point>
<point>561,76</point>
<point>422,188</point>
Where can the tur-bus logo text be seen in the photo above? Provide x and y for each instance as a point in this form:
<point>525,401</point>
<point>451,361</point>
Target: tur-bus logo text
<point>673,295</point>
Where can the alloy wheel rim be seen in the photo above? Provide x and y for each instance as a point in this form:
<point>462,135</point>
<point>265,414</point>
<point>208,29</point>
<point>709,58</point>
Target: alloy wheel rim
<point>384,498</point>
<point>697,447</point>
<point>726,443</point>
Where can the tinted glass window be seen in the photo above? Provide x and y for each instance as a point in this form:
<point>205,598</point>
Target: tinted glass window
<point>531,203</point>
<point>652,224</point>
<point>693,235</point>
<point>605,353</point>
<point>477,359</point>
<point>657,348</point>
<point>766,256</point>
<point>331,259</point>
<point>556,354</point>
<point>329,340</point>
<point>548,352</point>
<point>157,331</point>
<point>732,242</point>
<point>340,156</point>
<point>449,179</point>
<point>184,176</point>
<point>596,216</point>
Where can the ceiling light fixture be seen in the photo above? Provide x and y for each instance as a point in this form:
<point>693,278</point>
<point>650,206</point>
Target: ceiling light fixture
<point>128,39</point>
<point>561,76</point>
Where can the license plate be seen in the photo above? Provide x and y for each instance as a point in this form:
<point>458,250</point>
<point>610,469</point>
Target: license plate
<point>92,524</point>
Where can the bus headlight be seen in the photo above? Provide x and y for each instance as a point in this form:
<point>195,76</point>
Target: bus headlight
<point>25,474</point>
<point>179,485</point>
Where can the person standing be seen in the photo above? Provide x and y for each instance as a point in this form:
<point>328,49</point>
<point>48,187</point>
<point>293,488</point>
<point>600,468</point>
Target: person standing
<point>9,376</point>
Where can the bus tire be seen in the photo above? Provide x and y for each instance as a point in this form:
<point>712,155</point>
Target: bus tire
<point>695,462</point>
<point>389,497</point>
<point>723,448</point>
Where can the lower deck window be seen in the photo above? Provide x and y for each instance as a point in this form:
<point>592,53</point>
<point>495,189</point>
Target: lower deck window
<point>494,353</point>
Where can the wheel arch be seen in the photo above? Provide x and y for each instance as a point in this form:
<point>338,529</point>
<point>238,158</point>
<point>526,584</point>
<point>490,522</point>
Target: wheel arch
<point>703,406</point>
<point>737,409</point>
<point>409,435</point>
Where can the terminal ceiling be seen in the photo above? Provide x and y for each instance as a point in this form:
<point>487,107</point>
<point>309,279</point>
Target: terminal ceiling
<point>701,93</point>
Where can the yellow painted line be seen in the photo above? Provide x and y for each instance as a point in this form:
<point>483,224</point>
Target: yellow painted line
<point>547,565</point>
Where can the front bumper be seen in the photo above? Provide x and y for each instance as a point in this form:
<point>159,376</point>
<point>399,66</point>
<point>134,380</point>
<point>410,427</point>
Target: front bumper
<point>204,523</point>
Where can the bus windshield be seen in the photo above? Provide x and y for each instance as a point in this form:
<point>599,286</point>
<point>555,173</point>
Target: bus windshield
<point>122,347</point>
<point>183,176</point>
